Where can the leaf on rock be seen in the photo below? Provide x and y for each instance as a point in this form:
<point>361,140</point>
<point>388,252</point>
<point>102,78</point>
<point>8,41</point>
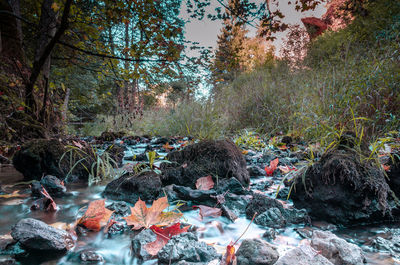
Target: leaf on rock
<point>163,235</point>
<point>272,167</point>
<point>141,216</point>
<point>205,211</point>
<point>205,183</point>
<point>96,216</point>
<point>167,146</point>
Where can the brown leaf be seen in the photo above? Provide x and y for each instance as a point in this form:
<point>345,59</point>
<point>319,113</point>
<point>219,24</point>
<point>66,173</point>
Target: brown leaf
<point>141,216</point>
<point>205,211</point>
<point>205,183</point>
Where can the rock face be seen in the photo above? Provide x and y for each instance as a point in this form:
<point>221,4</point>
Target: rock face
<point>186,247</point>
<point>256,252</point>
<point>303,255</point>
<point>336,250</point>
<point>340,189</point>
<point>139,241</point>
<point>146,185</point>
<point>39,157</point>
<point>220,159</point>
<point>37,235</point>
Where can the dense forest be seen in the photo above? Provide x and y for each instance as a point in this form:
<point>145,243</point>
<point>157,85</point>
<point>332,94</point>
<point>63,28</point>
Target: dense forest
<point>257,150</point>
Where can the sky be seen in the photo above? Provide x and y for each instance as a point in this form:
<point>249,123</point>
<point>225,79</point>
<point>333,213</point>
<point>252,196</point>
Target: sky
<point>206,31</point>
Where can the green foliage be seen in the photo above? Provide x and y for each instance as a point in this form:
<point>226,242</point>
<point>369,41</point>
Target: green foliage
<point>248,139</point>
<point>99,164</point>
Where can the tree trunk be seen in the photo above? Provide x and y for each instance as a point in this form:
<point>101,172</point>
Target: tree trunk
<point>47,24</point>
<point>39,63</point>
<point>65,105</point>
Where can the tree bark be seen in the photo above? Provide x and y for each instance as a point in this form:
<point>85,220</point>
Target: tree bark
<point>40,62</point>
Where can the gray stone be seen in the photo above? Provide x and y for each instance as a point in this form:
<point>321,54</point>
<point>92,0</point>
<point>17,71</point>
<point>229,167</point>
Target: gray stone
<point>271,218</point>
<point>91,256</point>
<point>335,249</point>
<point>303,255</point>
<point>186,247</point>
<point>256,252</point>
<point>37,235</point>
<point>139,241</point>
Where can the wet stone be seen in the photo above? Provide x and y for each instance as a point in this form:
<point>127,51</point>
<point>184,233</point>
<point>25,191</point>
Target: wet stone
<point>37,235</point>
<point>139,241</point>
<point>303,255</point>
<point>186,247</point>
<point>91,256</point>
<point>256,252</point>
<point>335,249</point>
<point>120,208</point>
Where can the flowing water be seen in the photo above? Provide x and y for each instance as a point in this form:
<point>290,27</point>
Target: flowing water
<point>116,248</point>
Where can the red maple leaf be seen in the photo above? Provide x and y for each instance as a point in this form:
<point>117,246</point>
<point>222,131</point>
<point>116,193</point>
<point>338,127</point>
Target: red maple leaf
<point>163,235</point>
<point>272,167</point>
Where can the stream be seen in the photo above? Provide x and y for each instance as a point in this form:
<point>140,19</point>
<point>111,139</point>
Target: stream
<point>219,232</point>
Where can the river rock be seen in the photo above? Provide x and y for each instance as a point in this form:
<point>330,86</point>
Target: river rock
<point>218,158</point>
<point>256,252</point>
<point>186,247</point>
<point>339,188</point>
<point>130,187</point>
<point>39,157</point>
<point>303,255</point>
<point>271,218</point>
<point>231,185</point>
<point>91,256</point>
<point>335,249</point>
<point>261,203</point>
<point>255,171</point>
<point>139,241</point>
<point>37,235</point>
<point>53,185</point>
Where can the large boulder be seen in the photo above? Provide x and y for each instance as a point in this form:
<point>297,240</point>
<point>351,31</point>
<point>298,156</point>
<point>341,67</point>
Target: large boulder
<point>342,189</point>
<point>256,252</point>
<point>219,158</point>
<point>303,255</point>
<point>36,235</point>
<point>186,247</point>
<point>130,187</point>
<point>39,157</point>
<point>335,249</point>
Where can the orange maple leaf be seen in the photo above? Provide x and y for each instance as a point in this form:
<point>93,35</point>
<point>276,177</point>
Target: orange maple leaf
<point>163,236</point>
<point>167,146</point>
<point>229,257</point>
<point>141,216</point>
<point>205,183</point>
<point>96,216</point>
<point>272,166</point>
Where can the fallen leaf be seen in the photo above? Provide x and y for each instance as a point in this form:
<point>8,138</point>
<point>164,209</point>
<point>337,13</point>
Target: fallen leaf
<point>167,146</point>
<point>163,235</point>
<point>141,216</point>
<point>205,183</point>
<point>109,224</point>
<point>229,258</point>
<point>13,195</point>
<point>283,147</point>
<point>386,167</point>
<point>245,152</point>
<point>286,169</point>
<point>205,211</point>
<point>272,167</point>
<point>96,216</point>
<point>51,205</point>
<point>78,144</point>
